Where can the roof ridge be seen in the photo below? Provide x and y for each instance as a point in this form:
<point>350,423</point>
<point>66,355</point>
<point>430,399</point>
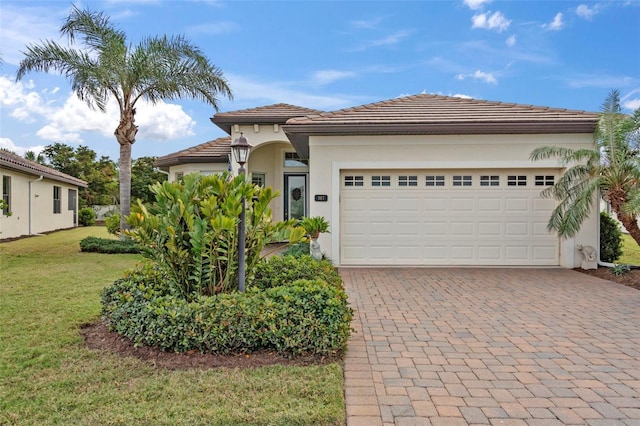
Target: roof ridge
<point>37,168</point>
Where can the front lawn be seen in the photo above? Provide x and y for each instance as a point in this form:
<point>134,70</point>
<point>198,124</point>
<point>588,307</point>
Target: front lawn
<point>48,289</point>
<point>630,251</point>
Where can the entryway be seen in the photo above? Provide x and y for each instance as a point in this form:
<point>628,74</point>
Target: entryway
<point>295,195</point>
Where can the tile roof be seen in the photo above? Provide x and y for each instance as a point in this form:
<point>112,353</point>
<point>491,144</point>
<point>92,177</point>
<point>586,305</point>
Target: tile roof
<point>15,162</point>
<point>215,151</point>
<point>427,114</point>
<point>272,114</point>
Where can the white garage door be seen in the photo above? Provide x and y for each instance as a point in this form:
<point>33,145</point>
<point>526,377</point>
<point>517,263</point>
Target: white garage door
<point>452,217</point>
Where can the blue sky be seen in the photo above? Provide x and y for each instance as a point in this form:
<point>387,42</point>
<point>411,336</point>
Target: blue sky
<point>329,55</point>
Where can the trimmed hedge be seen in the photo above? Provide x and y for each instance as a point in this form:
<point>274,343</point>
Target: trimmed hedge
<point>278,271</point>
<point>610,238</point>
<point>106,245</point>
<point>303,317</point>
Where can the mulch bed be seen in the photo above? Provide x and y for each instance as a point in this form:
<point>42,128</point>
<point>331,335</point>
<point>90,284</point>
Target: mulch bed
<point>631,278</point>
<point>98,337</point>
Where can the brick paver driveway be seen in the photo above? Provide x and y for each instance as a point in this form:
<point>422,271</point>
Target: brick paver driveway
<point>491,346</point>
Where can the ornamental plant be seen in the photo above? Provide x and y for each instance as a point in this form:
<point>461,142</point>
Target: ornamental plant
<point>191,230</point>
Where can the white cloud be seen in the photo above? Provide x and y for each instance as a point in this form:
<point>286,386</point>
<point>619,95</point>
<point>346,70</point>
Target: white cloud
<point>603,81</point>
<point>366,24</point>
<point>511,40</point>
<point>479,75</point>
<point>488,21</point>
<point>8,144</point>
<point>390,40</point>
<point>556,25</point>
<point>586,12</point>
<point>329,76</point>
<point>476,4</point>
<point>214,28</point>
<point>631,104</point>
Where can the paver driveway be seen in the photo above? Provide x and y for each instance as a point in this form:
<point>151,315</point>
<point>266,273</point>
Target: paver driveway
<point>437,346</point>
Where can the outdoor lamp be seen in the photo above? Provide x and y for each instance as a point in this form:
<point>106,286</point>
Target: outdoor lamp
<point>241,148</point>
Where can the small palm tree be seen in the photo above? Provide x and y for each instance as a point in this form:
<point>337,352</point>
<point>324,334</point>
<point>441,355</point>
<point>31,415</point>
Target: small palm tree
<point>610,169</point>
<point>158,68</point>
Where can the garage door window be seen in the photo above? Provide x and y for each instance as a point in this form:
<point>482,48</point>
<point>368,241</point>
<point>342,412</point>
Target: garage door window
<point>519,180</point>
<point>544,180</point>
<point>407,180</point>
<point>459,180</point>
<point>354,181</point>
<point>489,180</point>
<point>380,180</point>
<point>435,180</point>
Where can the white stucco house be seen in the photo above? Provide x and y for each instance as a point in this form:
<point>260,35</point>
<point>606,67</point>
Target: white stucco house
<point>37,198</point>
<point>415,180</point>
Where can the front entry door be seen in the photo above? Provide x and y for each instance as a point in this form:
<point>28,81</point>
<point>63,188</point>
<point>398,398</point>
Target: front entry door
<point>295,196</point>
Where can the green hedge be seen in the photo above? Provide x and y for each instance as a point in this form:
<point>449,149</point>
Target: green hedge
<point>106,245</point>
<point>303,317</point>
<point>278,271</point>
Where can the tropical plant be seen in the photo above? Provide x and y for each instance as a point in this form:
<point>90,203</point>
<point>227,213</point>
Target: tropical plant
<point>113,224</point>
<point>86,216</point>
<point>108,66</point>
<point>314,226</point>
<point>610,169</point>
<point>191,230</point>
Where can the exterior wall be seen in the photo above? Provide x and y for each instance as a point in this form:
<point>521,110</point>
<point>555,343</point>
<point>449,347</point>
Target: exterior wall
<point>204,168</point>
<point>331,154</point>
<point>32,208</point>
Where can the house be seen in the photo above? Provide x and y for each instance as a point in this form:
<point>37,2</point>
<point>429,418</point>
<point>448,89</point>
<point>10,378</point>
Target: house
<point>415,180</point>
<point>36,198</point>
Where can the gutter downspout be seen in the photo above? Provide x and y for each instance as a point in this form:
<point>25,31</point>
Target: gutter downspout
<point>31,203</point>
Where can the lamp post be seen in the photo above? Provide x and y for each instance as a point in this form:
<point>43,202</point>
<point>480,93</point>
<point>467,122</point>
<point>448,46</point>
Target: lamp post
<point>241,148</point>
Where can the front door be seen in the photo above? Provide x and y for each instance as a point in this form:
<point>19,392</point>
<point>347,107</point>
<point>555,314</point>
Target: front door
<point>295,196</point>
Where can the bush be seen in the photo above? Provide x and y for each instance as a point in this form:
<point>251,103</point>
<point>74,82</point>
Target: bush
<point>113,224</point>
<point>86,216</point>
<point>281,271</point>
<point>304,317</point>
<point>297,250</point>
<point>610,239</point>
<point>105,245</point>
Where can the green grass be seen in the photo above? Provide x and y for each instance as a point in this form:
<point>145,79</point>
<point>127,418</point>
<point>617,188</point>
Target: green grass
<point>48,289</point>
<point>630,251</point>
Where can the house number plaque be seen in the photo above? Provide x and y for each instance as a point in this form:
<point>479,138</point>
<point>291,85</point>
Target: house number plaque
<point>321,197</point>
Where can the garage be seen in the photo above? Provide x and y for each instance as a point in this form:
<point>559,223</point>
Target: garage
<point>447,217</point>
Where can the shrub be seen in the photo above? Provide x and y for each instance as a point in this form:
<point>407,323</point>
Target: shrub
<point>281,271</point>
<point>191,230</point>
<point>297,250</point>
<point>113,224</point>
<point>304,317</point>
<point>610,239</point>
<point>86,216</point>
<point>619,270</point>
<point>105,245</point>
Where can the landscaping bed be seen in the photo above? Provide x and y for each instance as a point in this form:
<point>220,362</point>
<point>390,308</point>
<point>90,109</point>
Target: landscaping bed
<point>631,278</point>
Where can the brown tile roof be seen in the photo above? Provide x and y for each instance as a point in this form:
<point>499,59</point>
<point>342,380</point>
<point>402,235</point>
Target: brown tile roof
<point>272,114</point>
<point>20,164</point>
<point>215,151</point>
<point>433,114</point>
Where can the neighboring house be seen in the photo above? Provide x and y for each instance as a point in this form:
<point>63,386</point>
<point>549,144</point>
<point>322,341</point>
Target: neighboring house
<point>38,198</point>
<point>416,180</point>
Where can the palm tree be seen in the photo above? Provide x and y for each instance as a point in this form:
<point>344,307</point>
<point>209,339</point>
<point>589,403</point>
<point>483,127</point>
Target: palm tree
<point>157,68</point>
<point>610,169</point>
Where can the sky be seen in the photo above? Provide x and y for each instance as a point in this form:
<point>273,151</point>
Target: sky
<point>327,55</point>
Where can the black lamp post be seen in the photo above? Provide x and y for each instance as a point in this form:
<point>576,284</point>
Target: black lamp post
<point>241,148</point>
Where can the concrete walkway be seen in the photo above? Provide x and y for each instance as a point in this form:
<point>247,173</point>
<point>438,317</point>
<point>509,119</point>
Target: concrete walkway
<point>436,346</point>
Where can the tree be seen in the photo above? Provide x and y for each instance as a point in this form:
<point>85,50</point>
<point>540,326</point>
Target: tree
<point>100,175</point>
<point>31,156</point>
<point>144,174</point>
<point>108,66</point>
<point>610,169</point>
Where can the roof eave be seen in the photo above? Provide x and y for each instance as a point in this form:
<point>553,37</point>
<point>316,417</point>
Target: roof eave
<point>185,159</point>
<point>17,167</point>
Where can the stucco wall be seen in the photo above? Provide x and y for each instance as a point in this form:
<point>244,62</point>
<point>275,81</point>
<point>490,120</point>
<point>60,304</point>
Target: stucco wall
<point>33,214</point>
<point>331,154</point>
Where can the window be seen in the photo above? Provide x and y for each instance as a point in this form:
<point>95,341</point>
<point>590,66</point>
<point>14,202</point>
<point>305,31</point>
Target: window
<point>291,159</point>
<point>6,195</point>
<point>489,180</point>
<point>354,181</point>
<point>71,199</point>
<point>407,180</point>
<point>513,180</point>
<point>459,180</point>
<point>435,180</point>
<point>57,207</point>
<point>258,179</point>
<point>544,180</point>
<point>380,180</point>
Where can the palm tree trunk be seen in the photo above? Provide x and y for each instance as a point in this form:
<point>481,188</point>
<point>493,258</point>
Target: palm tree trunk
<point>630,223</point>
<point>126,135</point>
